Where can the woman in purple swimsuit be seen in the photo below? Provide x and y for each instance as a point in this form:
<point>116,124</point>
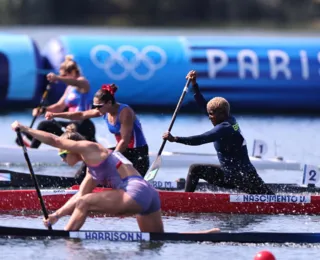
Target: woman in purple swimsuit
<point>130,193</point>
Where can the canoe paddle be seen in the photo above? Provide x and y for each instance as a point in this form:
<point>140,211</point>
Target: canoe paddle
<point>43,99</point>
<point>40,106</point>
<point>35,182</point>
<point>153,170</point>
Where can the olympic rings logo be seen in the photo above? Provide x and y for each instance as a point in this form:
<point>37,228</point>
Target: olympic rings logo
<point>128,60</point>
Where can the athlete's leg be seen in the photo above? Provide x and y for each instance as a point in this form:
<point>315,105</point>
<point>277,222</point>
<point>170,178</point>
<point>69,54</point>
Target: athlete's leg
<point>209,172</point>
<point>87,129</point>
<point>253,184</point>
<point>113,202</point>
<point>47,126</point>
<point>151,222</point>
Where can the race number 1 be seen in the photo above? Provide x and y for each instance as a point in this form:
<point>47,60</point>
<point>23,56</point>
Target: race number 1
<point>259,148</point>
<point>310,175</point>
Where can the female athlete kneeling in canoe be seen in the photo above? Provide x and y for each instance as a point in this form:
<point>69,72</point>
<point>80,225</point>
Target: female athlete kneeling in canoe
<point>130,193</point>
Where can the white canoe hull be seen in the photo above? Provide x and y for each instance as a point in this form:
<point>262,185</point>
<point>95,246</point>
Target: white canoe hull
<point>14,155</point>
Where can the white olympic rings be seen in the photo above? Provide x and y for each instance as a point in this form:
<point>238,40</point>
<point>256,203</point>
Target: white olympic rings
<point>106,58</point>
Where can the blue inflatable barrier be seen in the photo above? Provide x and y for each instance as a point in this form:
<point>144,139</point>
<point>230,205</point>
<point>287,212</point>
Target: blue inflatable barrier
<point>53,54</point>
<point>251,72</point>
<point>148,70</point>
<point>259,72</point>
<point>21,82</point>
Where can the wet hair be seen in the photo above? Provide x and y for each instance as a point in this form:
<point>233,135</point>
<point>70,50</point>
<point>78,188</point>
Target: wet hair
<point>106,93</point>
<point>69,65</point>
<point>72,134</point>
<point>219,105</point>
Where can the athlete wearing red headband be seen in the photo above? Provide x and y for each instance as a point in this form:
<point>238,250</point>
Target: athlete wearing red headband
<point>121,121</point>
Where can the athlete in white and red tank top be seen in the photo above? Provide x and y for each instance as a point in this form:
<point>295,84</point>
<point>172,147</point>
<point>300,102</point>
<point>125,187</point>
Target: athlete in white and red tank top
<point>122,122</point>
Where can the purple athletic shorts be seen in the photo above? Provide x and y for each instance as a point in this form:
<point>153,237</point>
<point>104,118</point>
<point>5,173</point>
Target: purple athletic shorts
<point>143,193</point>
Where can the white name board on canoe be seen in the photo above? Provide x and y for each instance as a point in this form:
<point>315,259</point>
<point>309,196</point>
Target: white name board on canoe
<point>110,235</point>
<point>270,198</point>
<point>164,184</point>
<point>260,148</point>
<point>311,174</point>
<point>53,192</point>
<point>5,177</point>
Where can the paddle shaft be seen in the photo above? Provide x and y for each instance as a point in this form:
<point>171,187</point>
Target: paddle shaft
<point>44,97</point>
<point>174,116</point>
<point>35,182</point>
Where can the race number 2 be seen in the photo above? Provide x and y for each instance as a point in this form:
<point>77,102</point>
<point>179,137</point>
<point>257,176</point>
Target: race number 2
<point>310,174</point>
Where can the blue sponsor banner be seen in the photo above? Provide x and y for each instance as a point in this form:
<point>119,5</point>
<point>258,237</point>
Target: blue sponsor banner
<point>144,68</point>
<point>258,71</point>
<point>250,72</point>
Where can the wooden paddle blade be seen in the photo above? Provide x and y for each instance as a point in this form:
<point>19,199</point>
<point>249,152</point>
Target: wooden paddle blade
<point>153,170</point>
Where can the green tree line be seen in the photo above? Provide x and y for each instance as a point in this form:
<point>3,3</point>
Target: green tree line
<point>159,12</point>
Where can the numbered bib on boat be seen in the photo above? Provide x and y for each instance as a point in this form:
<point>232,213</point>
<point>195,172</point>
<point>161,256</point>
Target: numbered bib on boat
<point>310,174</point>
<point>121,157</point>
<point>260,148</point>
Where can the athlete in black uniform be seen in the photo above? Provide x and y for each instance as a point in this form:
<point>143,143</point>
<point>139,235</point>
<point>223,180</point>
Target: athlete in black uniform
<point>235,170</point>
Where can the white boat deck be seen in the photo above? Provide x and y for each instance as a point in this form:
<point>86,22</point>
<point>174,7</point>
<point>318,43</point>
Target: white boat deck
<point>14,155</point>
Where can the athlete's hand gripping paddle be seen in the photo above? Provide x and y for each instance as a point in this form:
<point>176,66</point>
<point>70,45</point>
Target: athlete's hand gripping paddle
<point>35,182</point>
<point>153,170</point>
<point>40,106</point>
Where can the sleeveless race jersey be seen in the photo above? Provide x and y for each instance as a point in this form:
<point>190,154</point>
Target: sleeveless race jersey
<point>137,137</point>
<point>77,101</point>
<point>106,173</point>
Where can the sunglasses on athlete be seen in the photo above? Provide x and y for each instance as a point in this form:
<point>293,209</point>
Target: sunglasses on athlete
<point>63,154</point>
<point>98,106</point>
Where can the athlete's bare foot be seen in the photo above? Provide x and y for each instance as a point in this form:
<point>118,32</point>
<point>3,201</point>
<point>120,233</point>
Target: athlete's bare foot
<point>209,231</point>
<point>213,230</point>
